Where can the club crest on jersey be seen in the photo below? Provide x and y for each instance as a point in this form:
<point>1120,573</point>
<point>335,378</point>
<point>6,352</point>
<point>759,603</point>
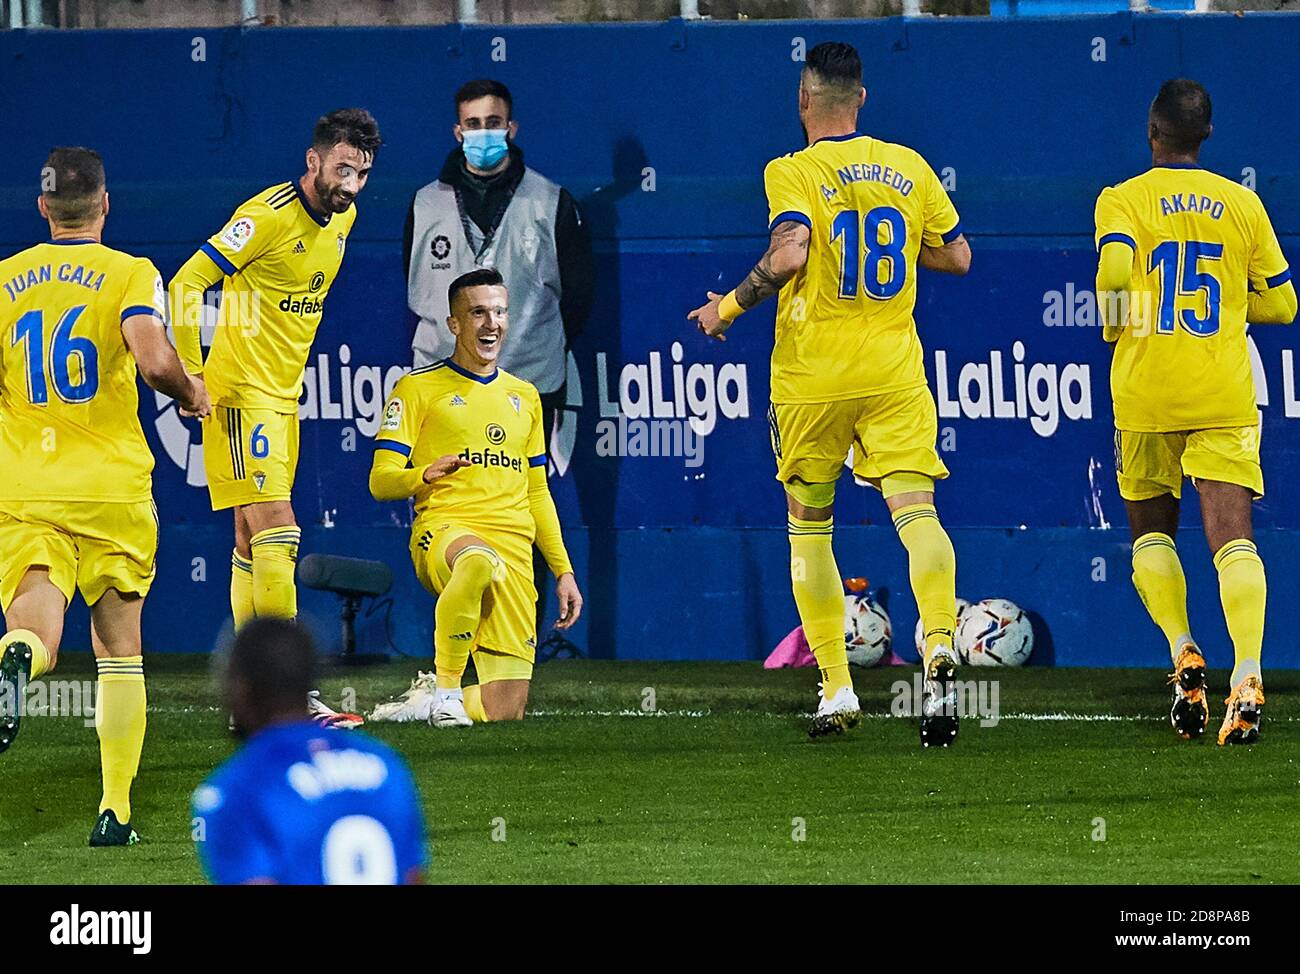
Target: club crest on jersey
<point>259,480</point>
<point>514,401</point>
<point>392,415</point>
<point>237,235</point>
<point>495,434</point>
<point>456,400</point>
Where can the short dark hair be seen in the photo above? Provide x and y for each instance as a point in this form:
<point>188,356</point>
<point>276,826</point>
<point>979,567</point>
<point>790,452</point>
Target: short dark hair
<point>1181,112</point>
<point>836,64</point>
<point>351,126</point>
<point>276,660</point>
<point>484,275</point>
<point>482,88</point>
<point>72,183</point>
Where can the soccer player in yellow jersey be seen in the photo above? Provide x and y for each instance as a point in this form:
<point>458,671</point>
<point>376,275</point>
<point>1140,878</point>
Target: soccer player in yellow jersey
<point>851,218</point>
<point>1187,258</point>
<point>77,320</point>
<point>465,439</point>
<point>276,260</point>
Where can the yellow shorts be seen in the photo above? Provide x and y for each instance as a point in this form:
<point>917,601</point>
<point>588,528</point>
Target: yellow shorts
<point>509,626</point>
<point>1152,464</point>
<point>890,433</point>
<point>250,455</point>
<point>93,546</point>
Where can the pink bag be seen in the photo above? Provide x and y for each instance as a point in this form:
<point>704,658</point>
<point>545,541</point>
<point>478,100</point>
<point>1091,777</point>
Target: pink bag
<point>791,651</point>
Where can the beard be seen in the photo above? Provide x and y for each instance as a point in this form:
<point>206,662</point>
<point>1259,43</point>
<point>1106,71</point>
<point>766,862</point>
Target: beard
<point>331,195</point>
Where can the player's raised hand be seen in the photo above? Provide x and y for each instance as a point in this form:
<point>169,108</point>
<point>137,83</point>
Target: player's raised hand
<point>709,321</point>
<point>198,405</point>
<point>566,591</point>
<point>443,466</point>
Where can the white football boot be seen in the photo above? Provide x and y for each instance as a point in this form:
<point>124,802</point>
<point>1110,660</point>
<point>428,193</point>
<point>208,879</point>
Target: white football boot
<point>836,714</point>
<point>415,703</point>
<point>449,710</point>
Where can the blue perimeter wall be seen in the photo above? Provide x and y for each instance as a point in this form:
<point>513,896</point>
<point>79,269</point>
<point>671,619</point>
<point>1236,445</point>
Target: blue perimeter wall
<point>677,561</point>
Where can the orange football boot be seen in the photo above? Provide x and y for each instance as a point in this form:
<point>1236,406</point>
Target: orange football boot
<point>1245,712</point>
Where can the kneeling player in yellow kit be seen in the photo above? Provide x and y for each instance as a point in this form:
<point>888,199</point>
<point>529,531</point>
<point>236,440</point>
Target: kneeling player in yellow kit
<point>76,505</point>
<point>1195,258</point>
<point>851,219</point>
<point>464,438</point>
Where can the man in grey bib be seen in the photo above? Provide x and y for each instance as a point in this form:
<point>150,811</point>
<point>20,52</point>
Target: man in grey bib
<point>487,209</point>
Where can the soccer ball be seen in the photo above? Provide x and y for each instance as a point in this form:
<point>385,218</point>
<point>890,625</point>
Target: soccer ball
<point>994,632</point>
<point>920,630</point>
<point>867,633</point>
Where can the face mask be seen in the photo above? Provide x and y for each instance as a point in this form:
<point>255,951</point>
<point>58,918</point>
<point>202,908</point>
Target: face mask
<point>484,148</point>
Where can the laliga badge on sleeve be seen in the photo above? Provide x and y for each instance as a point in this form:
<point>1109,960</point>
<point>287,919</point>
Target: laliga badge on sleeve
<point>237,235</point>
<point>393,415</point>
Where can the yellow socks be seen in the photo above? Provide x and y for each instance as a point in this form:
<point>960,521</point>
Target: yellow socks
<point>241,588</point>
<point>932,567</point>
<point>819,595</point>
<point>40,655</point>
<point>1158,578</point>
<point>275,554</point>
<point>457,615</point>
<point>120,721</point>
<point>474,704</point>
<point>1243,590</point>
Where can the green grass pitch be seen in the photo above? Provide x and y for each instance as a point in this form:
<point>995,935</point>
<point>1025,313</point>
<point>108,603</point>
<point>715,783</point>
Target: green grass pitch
<point>723,786</point>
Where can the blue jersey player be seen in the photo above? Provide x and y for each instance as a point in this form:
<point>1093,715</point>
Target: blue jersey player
<point>300,803</point>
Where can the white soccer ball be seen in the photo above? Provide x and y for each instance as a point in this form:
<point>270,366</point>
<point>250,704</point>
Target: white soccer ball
<point>920,630</point>
<point>867,633</point>
<point>994,632</point>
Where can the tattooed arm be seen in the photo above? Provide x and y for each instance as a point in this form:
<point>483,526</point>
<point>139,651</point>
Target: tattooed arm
<point>787,253</point>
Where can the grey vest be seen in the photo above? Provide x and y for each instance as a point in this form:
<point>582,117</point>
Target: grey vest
<point>523,250</point>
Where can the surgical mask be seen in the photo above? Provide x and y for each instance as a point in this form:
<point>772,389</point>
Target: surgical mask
<point>484,148</point>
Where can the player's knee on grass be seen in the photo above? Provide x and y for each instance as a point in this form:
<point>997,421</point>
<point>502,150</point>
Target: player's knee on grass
<point>505,699</point>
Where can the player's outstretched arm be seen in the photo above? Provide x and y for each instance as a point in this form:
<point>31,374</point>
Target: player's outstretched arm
<point>1275,306</point>
<point>160,366</point>
<point>952,258</point>
<point>392,480</point>
<point>185,295</point>
<point>549,539</point>
<point>787,253</point>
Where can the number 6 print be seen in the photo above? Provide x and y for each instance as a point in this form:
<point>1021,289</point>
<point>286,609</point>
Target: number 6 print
<point>258,445</point>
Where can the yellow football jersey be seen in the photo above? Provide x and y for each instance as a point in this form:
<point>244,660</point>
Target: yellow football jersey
<point>280,257</point>
<point>493,421</point>
<point>1200,242</point>
<point>844,324</point>
<point>69,430</point>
